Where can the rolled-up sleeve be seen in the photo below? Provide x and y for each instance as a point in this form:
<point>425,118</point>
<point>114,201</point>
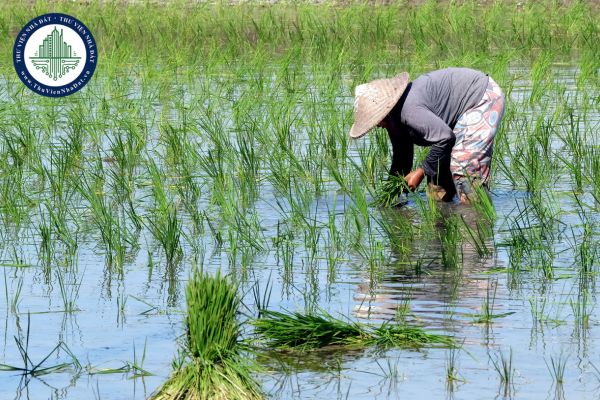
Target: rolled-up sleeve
<point>435,132</point>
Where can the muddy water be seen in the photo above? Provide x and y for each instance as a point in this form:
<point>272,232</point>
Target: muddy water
<point>117,319</point>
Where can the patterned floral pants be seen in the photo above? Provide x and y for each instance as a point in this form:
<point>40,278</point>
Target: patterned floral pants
<point>475,130</point>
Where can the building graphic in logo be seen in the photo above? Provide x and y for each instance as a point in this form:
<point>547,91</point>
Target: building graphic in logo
<point>55,55</point>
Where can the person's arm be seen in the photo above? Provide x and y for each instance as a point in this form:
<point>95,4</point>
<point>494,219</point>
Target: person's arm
<point>402,150</point>
<point>437,132</point>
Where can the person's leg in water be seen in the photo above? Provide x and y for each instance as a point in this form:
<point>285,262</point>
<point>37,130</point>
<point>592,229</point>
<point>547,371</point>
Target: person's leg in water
<point>475,130</point>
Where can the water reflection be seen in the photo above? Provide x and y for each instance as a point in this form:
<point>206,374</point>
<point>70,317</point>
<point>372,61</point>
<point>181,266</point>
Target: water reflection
<point>440,272</point>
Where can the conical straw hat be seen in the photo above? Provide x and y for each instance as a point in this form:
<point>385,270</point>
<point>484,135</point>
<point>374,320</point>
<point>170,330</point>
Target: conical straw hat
<point>374,100</point>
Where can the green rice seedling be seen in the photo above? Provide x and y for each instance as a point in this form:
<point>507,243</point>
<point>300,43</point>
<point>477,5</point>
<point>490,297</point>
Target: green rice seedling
<point>581,310</point>
<point>246,224</point>
<point>166,228</point>
<point>528,166</point>
<point>233,249</point>
<point>586,251</point>
<point>530,236</point>
<point>249,162</point>
<point>479,234</point>
<point>335,145</point>
<point>296,204</point>
<point>112,231</point>
<point>262,298</point>
<point>280,175</point>
<point>214,368</point>
<point>363,218</point>
<point>69,291</point>
<point>452,374</point>
<point>339,175</point>
<point>16,297</point>
<point>19,145</point>
<point>12,200</point>
<point>403,309</point>
<point>126,147</point>
<point>217,236</point>
<point>449,237</point>
<point>429,213</point>
<point>543,132</point>
<point>287,258</point>
<point>212,164</point>
<point>374,253</point>
<point>58,226</point>
<point>133,368</point>
<point>575,142</point>
<point>46,247</point>
<point>164,224</point>
<point>501,158</point>
<point>57,173</point>
<point>333,243</point>
<point>540,71</point>
<point>174,139</point>
<point>121,303</point>
<point>482,202</point>
<point>312,236</point>
<point>594,174</point>
<point>557,367</point>
<point>399,231</point>
<point>189,187</point>
<point>389,370</point>
<point>487,314</point>
<point>505,369</point>
<point>540,313</point>
<point>368,167</point>
<point>6,300</point>
<point>159,192</point>
<point>31,368</point>
<point>136,368</point>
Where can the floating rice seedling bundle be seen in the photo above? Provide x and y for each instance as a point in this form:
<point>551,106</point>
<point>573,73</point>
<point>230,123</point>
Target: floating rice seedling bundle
<point>310,331</point>
<point>214,367</point>
<point>305,330</point>
<point>406,336</point>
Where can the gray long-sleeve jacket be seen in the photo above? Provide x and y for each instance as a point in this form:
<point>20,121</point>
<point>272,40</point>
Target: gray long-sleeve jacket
<point>428,111</point>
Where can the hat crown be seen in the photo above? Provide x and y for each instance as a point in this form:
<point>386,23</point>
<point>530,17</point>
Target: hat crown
<point>367,92</point>
<point>374,100</point>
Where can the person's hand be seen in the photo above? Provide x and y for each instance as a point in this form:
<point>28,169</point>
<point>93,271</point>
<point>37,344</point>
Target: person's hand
<point>414,178</point>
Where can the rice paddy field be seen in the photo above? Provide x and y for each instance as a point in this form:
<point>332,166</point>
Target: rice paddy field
<point>197,214</point>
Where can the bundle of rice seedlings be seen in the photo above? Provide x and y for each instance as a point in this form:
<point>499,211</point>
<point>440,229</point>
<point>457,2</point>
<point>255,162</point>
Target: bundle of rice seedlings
<point>309,331</point>
<point>214,367</point>
<point>305,331</point>
<point>389,192</point>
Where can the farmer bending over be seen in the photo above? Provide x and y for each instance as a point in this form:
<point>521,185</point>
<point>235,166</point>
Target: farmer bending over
<point>456,111</point>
